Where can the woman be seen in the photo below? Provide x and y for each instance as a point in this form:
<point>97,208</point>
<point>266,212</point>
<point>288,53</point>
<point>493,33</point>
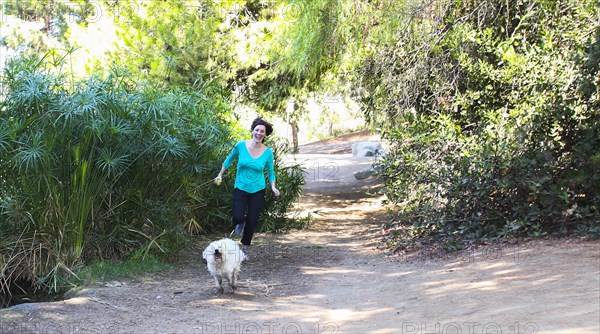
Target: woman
<point>249,189</point>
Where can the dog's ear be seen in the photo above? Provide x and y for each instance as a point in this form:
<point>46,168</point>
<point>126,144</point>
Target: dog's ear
<point>207,251</point>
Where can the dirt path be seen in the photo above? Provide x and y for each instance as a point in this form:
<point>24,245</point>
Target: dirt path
<point>332,279</point>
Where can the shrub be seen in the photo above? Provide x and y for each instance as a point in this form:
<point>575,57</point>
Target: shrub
<point>105,169</point>
<point>290,180</point>
<point>496,128</point>
<point>101,169</point>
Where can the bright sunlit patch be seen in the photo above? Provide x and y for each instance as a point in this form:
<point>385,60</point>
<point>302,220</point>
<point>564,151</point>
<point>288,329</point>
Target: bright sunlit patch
<point>328,271</point>
<point>498,265</point>
<point>340,315</point>
<point>395,275</point>
<point>77,301</point>
<point>94,43</point>
<point>506,272</point>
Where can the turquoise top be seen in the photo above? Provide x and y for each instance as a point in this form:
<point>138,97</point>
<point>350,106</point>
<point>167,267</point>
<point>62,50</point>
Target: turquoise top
<point>250,175</point>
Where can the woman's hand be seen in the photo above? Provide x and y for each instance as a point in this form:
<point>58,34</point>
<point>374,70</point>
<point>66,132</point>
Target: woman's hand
<point>275,191</point>
<point>219,177</point>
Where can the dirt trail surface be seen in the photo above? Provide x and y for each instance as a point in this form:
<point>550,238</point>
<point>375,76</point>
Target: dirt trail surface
<point>332,278</point>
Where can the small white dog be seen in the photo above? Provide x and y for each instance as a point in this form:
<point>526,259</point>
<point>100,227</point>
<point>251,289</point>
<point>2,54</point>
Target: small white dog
<point>224,259</point>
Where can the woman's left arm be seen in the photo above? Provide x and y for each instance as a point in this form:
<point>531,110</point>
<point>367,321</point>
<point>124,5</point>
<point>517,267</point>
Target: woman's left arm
<point>271,174</point>
<point>275,190</point>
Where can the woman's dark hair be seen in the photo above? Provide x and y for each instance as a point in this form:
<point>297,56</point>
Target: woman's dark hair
<point>260,121</point>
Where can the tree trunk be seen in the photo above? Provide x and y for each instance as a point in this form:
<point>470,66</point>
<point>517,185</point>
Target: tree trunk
<point>294,126</point>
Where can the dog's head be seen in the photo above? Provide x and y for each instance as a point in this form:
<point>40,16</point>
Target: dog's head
<point>213,252</point>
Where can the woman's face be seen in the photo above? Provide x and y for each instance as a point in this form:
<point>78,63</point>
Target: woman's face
<point>259,132</point>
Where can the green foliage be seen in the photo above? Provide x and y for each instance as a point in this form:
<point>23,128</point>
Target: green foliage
<point>101,169</point>
<point>104,271</point>
<point>55,14</point>
<point>494,119</point>
<point>290,181</point>
<point>105,169</point>
<point>308,45</point>
<point>170,43</point>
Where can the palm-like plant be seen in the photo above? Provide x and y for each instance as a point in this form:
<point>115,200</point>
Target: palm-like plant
<point>100,168</point>
<point>105,168</point>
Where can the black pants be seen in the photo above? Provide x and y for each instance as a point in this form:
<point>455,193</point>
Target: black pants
<point>246,209</point>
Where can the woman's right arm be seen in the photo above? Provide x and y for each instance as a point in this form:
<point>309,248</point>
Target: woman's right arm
<point>232,155</point>
<point>221,172</point>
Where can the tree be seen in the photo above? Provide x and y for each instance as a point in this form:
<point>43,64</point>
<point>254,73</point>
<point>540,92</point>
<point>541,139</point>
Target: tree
<point>484,103</point>
<point>303,48</point>
<point>263,52</point>
<point>55,14</point>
